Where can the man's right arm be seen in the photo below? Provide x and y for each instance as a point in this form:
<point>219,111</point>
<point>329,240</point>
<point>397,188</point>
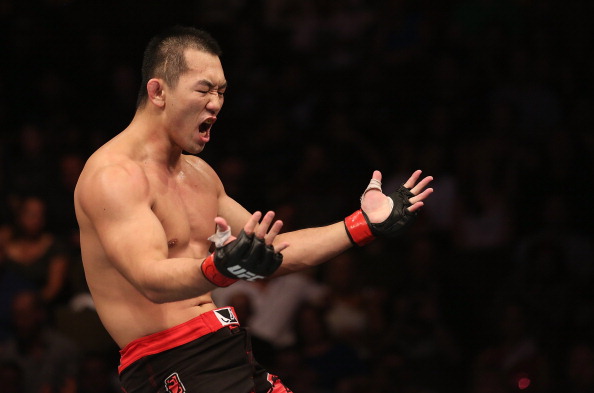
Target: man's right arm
<point>116,200</point>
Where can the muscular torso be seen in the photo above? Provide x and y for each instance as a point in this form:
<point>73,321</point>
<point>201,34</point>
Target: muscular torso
<point>185,201</point>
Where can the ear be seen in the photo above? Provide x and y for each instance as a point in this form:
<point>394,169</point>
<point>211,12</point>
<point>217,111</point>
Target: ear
<point>156,92</point>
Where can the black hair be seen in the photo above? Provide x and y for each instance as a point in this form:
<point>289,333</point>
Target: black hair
<point>164,55</point>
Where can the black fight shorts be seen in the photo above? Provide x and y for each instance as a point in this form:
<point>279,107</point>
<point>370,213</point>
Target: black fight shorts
<point>207,354</point>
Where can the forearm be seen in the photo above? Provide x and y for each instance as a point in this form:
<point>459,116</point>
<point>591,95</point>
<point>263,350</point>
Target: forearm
<point>173,280</point>
<point>312,246</point>
<point>251,257</point>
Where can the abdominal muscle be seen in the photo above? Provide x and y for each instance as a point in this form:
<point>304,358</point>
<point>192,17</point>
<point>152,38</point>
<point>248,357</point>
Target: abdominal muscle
<point>137,317</point>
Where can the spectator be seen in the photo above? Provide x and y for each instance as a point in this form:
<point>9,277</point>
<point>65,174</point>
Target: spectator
<point>273,304</point>
<point>47,359</point>
<point>346,313</point>
<point>333,361</point>
<point>36,254</point>
<point>11,283</point>
<point>31,156</point>
<point>494,96</point>
<point>97,375</point>
<point>60,213</point>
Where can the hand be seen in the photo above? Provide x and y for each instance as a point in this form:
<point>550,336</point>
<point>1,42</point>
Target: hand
<point>386,216</point>
<point>261,230</point>
<point>378,206</point>
<point>252,227</point>
<point>250,256</point>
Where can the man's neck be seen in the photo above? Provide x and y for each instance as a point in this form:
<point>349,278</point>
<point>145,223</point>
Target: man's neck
<point>153,138</point>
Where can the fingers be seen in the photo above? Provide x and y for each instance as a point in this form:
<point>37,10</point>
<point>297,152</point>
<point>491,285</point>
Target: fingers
<point>415,187</point>
<point>418,189</point>
<point>415,206</point>
<point>421,185</point>
<point>261,228</point>
<point>281,246</point>
<point>252,223</point>
<point>423,195</point>
<point>413,179</point>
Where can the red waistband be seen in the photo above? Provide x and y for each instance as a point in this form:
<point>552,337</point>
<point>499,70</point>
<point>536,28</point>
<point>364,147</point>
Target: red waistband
<point>203,324</point>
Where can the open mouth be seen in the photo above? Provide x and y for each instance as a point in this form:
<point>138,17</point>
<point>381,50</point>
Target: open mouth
<point>206,124</point>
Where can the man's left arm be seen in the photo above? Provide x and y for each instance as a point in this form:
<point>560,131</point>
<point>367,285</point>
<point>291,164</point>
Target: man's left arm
<point>380,216</point>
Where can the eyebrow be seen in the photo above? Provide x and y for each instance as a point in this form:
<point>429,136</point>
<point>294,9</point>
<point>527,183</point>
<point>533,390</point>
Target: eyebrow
<point>211,85</point>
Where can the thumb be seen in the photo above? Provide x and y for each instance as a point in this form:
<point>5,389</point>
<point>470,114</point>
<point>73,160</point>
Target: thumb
<point>377,175</point>
<point>221,224</point>
<point>374,184</point>
<point>223,232</point>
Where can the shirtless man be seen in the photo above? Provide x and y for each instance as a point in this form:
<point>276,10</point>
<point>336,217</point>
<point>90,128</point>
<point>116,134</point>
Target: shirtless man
<point>147,211</point>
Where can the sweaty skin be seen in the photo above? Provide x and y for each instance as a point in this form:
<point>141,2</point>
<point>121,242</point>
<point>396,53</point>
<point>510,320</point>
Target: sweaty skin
<point>145,211</point>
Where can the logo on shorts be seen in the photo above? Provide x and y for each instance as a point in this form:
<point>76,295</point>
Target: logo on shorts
<point>225,316</point>
<point>174,385</point>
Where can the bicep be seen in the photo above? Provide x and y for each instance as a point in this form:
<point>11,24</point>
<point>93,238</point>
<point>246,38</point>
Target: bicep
<point>131,236</point>
<point>132,240</point>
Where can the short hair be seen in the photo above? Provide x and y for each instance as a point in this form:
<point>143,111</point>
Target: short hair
<point>164,55</point>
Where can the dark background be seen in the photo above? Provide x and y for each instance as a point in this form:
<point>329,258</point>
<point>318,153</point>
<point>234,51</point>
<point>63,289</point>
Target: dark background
<point>493,98</point>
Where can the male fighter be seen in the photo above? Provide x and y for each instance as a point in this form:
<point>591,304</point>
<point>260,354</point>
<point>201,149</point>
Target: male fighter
<point>148,214</point>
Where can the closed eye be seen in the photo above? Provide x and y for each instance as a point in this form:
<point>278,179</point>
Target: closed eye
<point>219,93</point>
<point>205,86</point>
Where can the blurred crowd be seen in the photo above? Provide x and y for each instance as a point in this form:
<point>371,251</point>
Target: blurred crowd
<point>491,291</point>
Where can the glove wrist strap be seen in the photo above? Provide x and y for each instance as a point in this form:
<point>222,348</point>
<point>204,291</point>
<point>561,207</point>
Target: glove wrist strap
<point>213,275</point>
<point>358,229</point>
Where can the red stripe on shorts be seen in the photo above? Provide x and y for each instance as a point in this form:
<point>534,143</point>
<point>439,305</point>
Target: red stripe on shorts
<point>175,336</point>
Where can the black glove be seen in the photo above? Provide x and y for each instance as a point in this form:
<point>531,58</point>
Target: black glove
<point>361,231</point>
<point>399,218</point>
<point>247,257</point>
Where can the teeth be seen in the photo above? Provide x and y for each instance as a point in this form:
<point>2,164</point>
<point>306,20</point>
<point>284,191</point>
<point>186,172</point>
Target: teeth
<point>209,121</point>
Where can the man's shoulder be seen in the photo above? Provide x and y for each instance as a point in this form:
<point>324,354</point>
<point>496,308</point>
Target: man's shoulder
<point>109,161</point>
<point>107,173</point>
<point>201,167</point>
<point>196,162</point>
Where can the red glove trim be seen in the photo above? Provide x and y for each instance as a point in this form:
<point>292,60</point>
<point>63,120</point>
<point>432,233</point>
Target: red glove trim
<point>213,275</point>
<point>358,229</point>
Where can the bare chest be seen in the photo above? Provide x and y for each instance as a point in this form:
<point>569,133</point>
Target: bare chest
<point>186,205</point>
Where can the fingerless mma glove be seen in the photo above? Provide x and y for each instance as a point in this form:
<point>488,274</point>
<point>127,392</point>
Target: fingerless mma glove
<point>361,231</point>
<point>247,257</point>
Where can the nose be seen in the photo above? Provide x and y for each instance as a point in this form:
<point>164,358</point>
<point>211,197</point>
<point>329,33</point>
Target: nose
<point>215,102</point>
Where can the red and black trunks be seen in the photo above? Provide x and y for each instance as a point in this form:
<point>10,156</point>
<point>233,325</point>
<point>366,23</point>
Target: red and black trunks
<point>207,354</point>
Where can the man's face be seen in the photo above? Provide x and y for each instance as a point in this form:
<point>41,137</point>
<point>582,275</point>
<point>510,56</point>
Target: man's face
<point>191,107</point>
